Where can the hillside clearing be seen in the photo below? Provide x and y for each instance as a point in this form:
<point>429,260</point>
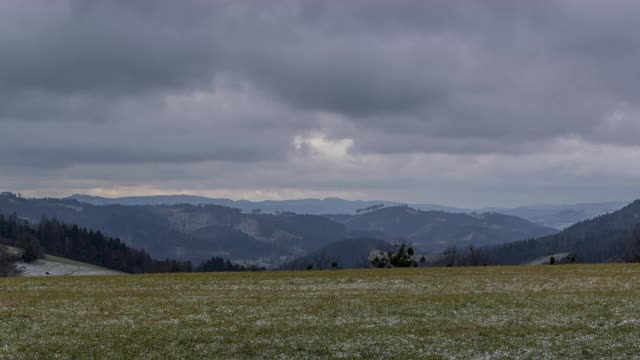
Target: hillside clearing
<point>568,311</point>
<point>57,266</point>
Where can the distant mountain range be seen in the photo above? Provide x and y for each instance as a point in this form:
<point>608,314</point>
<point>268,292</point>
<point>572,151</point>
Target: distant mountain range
<point>301,206</point>
<point>555,216</point>
<point>561,216</point>
<point>198,232</point>
<point>290,240</point>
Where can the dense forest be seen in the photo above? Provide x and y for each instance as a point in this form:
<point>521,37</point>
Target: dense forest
<point>606,238</point>
<point>81,244</point>
<point>218,264</point>
<point>92,247</point>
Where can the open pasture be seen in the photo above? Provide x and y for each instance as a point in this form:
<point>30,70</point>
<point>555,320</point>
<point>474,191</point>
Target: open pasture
<point>569,311</point>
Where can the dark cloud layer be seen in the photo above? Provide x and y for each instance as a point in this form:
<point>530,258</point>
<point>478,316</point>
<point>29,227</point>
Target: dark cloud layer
<point>85,83</point>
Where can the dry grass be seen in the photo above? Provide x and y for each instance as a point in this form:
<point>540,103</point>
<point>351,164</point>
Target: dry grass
<point>573,311</point>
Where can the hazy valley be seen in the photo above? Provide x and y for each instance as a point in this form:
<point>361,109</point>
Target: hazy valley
<point>198,232</point>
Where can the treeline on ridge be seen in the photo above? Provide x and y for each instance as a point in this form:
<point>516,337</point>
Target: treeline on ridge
<point>93,247</point>
<point>613,237</point>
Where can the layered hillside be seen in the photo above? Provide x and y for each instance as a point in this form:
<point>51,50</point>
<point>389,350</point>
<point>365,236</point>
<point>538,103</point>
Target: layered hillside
<point>197,233</point>
<point>433,231</point>
<point>190,232</point>
<point>605,238</point>
<point>558,216</point>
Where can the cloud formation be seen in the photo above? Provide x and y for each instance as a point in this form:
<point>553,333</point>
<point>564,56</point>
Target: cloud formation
<point>481,103</point>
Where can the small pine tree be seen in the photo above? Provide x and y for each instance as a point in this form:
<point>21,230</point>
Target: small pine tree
<point>334,264</point>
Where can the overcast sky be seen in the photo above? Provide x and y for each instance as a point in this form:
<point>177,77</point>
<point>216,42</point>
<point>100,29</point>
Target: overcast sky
<point>465,103</point>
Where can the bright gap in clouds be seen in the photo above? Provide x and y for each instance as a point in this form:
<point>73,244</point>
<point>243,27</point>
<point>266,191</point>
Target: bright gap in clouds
<point>318,145</point>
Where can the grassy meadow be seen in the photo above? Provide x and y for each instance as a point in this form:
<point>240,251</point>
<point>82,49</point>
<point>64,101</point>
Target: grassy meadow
<point>568,311</point>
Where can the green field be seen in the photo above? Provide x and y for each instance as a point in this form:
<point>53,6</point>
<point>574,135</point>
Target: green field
<point>571,311</point>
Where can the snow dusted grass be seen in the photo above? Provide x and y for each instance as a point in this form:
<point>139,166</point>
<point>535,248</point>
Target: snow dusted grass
<point>535,312</point>
<point>55,266</point>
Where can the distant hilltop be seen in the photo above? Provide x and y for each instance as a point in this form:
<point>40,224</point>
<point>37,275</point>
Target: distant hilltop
<point>555,216</point>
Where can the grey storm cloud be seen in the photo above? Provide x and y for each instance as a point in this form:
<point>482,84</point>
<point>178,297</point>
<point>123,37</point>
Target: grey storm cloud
<point>487,66</point>
<point>105,47</point>
<point>162,82</point>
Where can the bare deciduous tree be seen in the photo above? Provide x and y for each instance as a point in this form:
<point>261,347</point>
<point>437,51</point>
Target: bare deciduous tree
<point>471,256</point>
<point>450,256</point>
<point>474,255</point>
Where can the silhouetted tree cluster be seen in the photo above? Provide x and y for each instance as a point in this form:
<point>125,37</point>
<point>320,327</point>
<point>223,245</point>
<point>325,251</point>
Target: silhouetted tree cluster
<point>18,233</point>
<point>12,228</point>
<point>30,245</point>
<point>562,259</point>
<point>602,246</point>
<point>468,256</point>
<point>318,261</point>
<point>218,264</point>
<point>403,257</point>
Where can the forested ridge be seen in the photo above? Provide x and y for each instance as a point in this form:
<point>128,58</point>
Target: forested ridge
<point>82,244</point>
<point>606,238</point>
<point>196,233</point>
<point>92,247</point>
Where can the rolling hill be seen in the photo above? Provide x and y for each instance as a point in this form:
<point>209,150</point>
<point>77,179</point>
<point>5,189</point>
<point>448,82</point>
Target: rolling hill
<point>433,231</point>
<point>197,233</point>
<point>558,216</point>
<point>330,205</point>
<point>561,216</point>
<point>190,232</point>
<point>602,239</point>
